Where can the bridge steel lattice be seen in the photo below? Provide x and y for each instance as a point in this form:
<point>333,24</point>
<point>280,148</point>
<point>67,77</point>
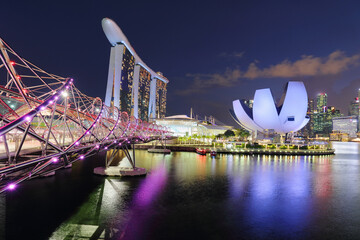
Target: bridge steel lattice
<point>47,123</point>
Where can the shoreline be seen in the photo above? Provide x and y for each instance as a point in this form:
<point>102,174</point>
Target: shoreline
<point>191,148</point>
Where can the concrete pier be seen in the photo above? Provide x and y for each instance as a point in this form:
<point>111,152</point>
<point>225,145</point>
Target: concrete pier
<point>159,150</point>
<point>117,171</point>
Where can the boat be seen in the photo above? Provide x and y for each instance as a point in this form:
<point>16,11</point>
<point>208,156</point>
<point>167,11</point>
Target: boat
<point>213,153</point>
<point>201,151</point>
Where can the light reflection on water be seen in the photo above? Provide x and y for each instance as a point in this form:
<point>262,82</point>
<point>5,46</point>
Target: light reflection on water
<point>188,196</point>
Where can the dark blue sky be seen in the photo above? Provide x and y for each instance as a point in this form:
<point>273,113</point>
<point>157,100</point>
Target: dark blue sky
<point>225,50</point>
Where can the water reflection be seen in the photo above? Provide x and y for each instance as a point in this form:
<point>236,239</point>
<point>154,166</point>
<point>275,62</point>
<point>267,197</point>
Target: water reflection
<point>187,196</point>
<point>104,205</point>
<point>143,205</point>
<point>107,214</point>
<point>277,193</point>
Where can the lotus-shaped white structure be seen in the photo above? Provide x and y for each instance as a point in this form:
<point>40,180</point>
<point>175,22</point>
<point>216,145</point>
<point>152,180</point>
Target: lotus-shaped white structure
<point>289,115</point>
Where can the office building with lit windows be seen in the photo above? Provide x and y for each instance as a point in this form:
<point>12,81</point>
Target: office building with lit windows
<point>132,86</point>
<point>161,98</point>
<point>348,125</point>
<point>321,102</point>
<point>127,80</point>
<point>354,107</point>
<point>144,94</point>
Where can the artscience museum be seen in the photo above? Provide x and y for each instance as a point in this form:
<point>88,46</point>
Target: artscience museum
<point>288,115</point>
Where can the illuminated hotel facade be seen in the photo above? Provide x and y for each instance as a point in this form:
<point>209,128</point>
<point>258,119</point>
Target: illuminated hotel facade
<point>131,85</point>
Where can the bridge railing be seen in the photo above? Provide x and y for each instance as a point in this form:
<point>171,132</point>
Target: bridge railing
<point>47,123</point>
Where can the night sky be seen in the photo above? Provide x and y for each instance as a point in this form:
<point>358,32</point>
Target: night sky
<point>213,52</point>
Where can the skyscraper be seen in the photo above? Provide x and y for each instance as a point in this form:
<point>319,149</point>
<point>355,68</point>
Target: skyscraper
<point>311,106</point>
<point>248,102</point>
<point>358,98</point>
<point>308,130</point>
<point>161,97</point>
<point>321,102</point>
<point>132,86</point>
<point>126,83</point>
<point>354,107</point>
<point>144,94</point>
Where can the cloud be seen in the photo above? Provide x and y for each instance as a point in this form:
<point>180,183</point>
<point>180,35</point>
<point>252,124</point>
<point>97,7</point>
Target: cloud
<point>205,81</point>
<point>307,66</point>
<point>232,55</point>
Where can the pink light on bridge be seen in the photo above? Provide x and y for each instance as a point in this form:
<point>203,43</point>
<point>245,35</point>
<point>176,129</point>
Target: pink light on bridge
<point>11,186</point>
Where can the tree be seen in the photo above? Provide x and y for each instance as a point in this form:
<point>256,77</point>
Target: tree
<point>229,133</point>
<point>242,133</point>
<point>245,134</point>
<point>219,136</point>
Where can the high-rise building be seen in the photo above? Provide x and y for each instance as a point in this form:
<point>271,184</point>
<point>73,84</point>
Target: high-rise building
<point>358,98</point>
<point>248,102</point>
<point>132,86</point>
<point>321,102</point>
<point>161,97</point>
<point>322,121</point>
<point>308,130</point>
<point>354,107</point>
<point>311,106</point>
<point>126,84</point>
<point>144,94</point>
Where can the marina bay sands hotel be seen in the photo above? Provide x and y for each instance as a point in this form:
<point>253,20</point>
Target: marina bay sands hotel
<point>132,86</point>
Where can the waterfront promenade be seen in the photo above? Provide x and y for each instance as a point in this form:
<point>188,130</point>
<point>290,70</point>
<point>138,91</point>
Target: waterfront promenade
<point>246,151</point>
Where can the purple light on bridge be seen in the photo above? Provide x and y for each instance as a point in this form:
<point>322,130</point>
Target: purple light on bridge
<point>11,186</point>
<point>55,159</point>
<point>82,157</point>
<point>105,148</point>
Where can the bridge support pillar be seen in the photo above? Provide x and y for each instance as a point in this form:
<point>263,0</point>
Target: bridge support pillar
<point>162,149</point>
<point>114,168</point>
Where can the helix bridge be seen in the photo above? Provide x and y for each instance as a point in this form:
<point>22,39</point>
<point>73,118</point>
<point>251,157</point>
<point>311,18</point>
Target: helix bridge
<point>48,124</point>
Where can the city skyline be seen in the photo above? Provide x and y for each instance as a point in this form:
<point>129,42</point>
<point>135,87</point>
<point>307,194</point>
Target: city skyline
<point>179,119</point>
<point>208,60</point>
